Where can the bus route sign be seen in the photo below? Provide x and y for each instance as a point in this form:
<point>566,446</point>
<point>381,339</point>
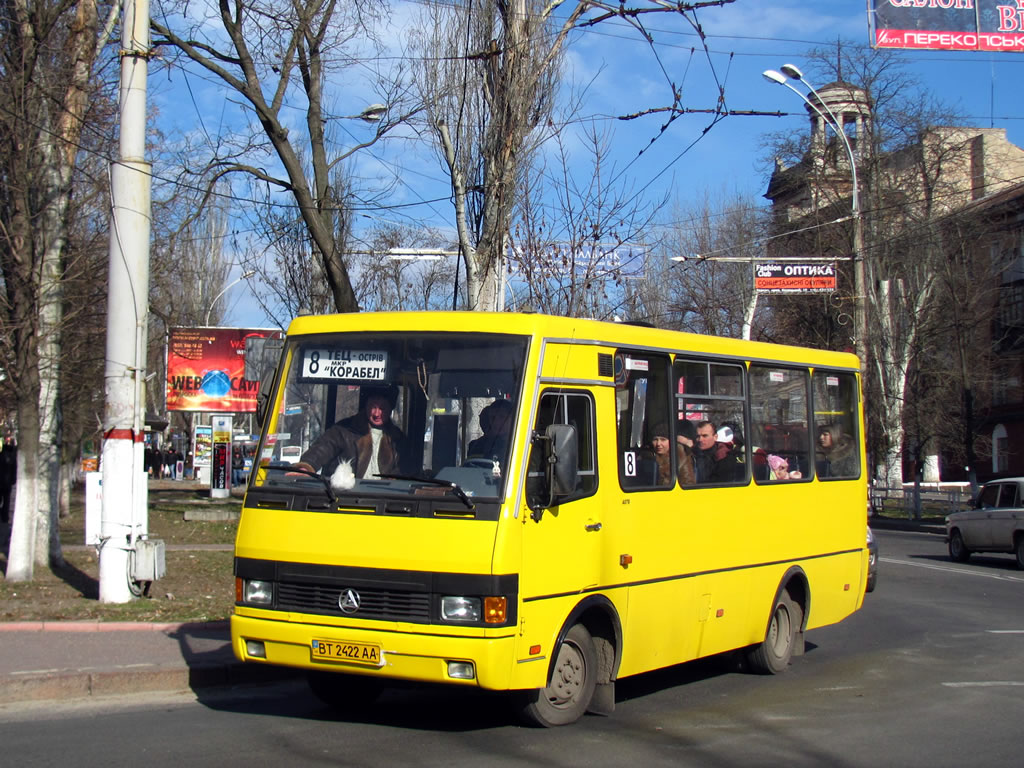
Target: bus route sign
<point>339,364</point>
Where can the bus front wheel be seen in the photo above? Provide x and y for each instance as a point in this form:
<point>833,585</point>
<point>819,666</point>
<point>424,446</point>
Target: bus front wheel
<point>571,687</point>
<point>772,656</point>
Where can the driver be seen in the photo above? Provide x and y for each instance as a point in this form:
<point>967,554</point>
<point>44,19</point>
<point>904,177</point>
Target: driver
<point>367,440</point>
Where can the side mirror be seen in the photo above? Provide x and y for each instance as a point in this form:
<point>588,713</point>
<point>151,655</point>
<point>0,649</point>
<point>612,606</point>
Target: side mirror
<point>560,446</point>
<point>563,460</point>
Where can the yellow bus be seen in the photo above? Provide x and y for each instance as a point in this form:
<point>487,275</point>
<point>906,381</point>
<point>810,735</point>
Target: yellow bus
<point>544,505</point>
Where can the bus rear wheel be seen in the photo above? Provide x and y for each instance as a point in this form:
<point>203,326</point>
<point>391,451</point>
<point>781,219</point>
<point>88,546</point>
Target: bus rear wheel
<point>772,656</point>
<point>573,678</point>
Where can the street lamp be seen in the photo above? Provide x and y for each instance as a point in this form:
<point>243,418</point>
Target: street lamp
<point>372,114</point>
<point>830,119</point>
<point>245,276</point>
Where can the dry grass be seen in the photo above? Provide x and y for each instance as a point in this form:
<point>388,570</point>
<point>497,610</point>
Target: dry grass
<point>198,585</point>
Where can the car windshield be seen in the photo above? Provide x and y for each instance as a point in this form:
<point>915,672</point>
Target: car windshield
<point>394,414</point>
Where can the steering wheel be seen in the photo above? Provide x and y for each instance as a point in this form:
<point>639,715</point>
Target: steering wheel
<point>479,463</point>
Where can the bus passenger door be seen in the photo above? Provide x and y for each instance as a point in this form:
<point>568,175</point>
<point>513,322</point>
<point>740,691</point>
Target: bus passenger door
<point>562,543</point>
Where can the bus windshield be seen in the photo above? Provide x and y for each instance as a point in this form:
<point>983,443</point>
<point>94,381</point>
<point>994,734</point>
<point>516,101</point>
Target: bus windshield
<point>394,414</point>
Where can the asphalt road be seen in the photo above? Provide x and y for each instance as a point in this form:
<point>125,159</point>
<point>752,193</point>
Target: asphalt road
<point>929,673</point>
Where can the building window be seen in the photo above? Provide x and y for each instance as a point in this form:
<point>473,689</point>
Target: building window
<point>1000,450</point>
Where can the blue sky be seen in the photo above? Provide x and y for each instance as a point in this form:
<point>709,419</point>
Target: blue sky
<point>618,74</point>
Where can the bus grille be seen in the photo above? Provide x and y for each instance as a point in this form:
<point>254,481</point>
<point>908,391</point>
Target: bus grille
<point>390,605</point>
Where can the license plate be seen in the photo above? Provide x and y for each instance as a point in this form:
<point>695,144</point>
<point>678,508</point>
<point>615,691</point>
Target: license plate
<point>345,651</point>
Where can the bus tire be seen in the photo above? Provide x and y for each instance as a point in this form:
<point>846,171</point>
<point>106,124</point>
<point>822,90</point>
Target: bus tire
<point>571,687</point>
<point>341,692</point>
<point>772,656</point>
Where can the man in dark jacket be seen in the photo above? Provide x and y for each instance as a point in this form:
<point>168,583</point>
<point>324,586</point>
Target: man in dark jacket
<point>368,439</point>
<point>714,460</point>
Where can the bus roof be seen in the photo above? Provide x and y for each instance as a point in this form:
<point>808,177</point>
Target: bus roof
<point>569,329</point>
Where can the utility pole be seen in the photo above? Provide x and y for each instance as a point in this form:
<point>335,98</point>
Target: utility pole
<point>124,489</point>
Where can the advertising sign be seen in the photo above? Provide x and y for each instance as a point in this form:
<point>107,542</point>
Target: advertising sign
<point>795,278</point>
<point>202,450</point>
<point>206,370</point>
<point>220,471</point>
<point>952,25</point>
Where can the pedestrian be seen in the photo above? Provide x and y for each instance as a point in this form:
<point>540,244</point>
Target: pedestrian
<point>237,467</point>
<point>8,476</point>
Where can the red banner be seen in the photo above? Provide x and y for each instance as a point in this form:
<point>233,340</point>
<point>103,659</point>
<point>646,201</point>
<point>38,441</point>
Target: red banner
<point>958,25</point>
<point>206,370</point>
<point>795,278</point>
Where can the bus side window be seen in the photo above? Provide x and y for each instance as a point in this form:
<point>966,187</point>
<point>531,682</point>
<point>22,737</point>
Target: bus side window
<point>575,408</point>
<point>779,420</point>
<point>836,445</point>
<point>644,430</point>
<point>711,393</point>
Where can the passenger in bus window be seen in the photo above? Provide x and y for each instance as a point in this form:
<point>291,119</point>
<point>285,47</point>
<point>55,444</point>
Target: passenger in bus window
<point>837,452</point>
<point>714,459</point>
<point>685,437</point>
<point>496,422</point>
<point>780,468</point>
<point>660,444</point>
<point>367,441</point>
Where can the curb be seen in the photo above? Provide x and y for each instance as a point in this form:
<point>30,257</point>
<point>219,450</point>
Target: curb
<point>894,524</point>
<point>83,684</point>
<point>109,626</point>
<point>115,680</point>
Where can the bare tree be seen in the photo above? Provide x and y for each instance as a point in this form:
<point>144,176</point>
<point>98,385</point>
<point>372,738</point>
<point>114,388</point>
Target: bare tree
<point>488,83</point>
<point>579,238</point>
<point>914,172</point>
<point>711,288</point>
<point>387,280</point>
<point>268,53</point>
<point>48,52</point>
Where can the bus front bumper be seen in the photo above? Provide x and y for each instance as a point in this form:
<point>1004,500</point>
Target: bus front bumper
<point>405,655</point>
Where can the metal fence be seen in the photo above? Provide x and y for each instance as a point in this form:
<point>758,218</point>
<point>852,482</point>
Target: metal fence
<point>936,499</point>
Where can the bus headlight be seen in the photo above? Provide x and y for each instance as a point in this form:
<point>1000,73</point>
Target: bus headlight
<point>256,592</point>
<point>460,608</point>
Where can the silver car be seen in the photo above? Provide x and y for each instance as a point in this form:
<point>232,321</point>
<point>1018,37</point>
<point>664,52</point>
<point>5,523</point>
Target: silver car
<point>995,522</point>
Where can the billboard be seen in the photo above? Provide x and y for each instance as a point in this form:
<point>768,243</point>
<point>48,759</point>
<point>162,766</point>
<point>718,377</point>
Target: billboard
<point>206,369</point>
<point>795,278</point>
<point>951,25</point>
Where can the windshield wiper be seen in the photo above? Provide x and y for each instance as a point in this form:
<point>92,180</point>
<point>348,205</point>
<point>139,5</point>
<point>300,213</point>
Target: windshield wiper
<point>453,487</point>
<point>308,473</point>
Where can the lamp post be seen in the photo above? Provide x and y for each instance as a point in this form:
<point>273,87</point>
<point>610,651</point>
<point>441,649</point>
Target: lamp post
<point>233,283</point>
<point>830,119</point>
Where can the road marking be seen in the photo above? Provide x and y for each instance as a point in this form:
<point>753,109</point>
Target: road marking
<point>1005,631</point>
<point>840,688</point>
<point>989,684</point>
<point>951,569</point>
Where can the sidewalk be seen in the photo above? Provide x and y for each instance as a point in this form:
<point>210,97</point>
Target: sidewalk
<point>66,660</point>
<point>926,525</point>
<point>51,660</point>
